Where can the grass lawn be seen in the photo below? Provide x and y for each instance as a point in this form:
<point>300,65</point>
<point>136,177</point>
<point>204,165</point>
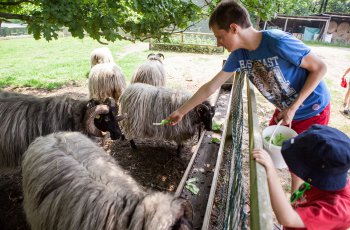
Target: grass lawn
<point>41,64</point>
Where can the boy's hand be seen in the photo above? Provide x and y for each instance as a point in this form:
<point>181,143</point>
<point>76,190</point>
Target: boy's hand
<point>262,157</point>
<point>175,117</point>
<point>286,115</point>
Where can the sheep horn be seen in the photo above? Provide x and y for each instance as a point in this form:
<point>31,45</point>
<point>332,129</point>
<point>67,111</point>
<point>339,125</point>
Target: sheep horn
<point>161,55</point>
<point>151,54</point>
<point>120,117</point>
<point>90,116</point>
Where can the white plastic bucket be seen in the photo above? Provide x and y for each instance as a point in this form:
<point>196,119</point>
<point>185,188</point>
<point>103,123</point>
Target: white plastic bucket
<point>274,150</point>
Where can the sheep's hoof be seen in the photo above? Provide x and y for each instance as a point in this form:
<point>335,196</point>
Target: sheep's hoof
<point>133,145</point>
<point>122,137</point>
<point>179,149</point>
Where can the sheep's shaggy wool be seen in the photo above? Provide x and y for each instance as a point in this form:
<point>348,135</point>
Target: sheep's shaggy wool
<point>25,117</point>
<point>151,72</point>
<point>106,80</point>
<point>101,55</point>
<point>70,183</point>
<point>144,105</point>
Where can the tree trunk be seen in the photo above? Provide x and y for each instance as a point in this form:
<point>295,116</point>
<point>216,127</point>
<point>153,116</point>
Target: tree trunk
<point>325,6</point>
<point>257,23</point>
<point>321,7</point>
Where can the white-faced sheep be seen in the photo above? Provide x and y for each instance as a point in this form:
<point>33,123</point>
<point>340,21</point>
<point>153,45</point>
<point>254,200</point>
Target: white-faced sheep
<point>106,80</point>
<point>144,105</point>
<point>24,117</point>
<point>151,72</point>
<point>101,55</point>
<point>70,183</point>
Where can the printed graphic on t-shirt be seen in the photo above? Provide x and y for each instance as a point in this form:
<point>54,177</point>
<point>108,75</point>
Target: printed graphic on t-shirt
<point>269,80</point>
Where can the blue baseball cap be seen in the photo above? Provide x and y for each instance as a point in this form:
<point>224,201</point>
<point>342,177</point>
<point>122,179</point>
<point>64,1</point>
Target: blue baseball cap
<point>320,156</point>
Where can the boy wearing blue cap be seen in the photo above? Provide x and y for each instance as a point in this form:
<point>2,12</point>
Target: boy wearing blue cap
<point>321,157</point>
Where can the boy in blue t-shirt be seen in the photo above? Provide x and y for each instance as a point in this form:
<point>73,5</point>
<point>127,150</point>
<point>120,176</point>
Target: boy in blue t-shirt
<point>281,67</point>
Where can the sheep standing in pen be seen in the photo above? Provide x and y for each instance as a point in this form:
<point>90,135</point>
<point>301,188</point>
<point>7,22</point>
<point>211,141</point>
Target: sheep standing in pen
<point>70,183</point>
<point>144,105</point>
<point>25,117</point>
<point>101,55</point>
<point>152,72</point>
<point>106,80</point>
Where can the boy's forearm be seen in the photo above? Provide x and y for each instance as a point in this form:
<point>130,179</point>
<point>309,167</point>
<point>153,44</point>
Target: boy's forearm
<point>317,69</point>
<point>196,99</point>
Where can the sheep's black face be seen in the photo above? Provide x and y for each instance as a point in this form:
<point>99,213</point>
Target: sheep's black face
<point>108,122</point>
<point>206,113</point>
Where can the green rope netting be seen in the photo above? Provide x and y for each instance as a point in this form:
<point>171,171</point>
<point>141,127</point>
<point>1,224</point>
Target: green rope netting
<point>235,217</point>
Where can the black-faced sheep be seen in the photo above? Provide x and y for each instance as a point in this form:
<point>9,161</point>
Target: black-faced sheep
<point>25,117</point>
<point>101,55</point>
<point>106,80</point>
<point>70,183</point>
<point>144,105</point>
<point>151,72</point>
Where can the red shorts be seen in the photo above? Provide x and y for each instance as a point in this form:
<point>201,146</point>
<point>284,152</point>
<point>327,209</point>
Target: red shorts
<point>302,125</point>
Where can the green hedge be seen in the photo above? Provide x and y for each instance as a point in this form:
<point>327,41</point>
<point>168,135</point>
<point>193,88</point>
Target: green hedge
<point>187,48</point>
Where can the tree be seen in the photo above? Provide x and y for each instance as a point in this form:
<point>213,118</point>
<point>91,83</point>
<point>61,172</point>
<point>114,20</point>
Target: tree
<point>104,19</point>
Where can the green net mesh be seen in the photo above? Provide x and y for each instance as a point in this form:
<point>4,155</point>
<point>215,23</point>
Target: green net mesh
<point>235,217</point>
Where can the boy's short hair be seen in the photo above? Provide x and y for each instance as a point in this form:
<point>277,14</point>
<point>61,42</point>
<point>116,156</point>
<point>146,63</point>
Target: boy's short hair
<point>319,156</point>
<point>228,12</point>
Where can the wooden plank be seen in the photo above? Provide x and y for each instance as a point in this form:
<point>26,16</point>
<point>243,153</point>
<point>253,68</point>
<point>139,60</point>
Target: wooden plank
<point>260,205</point>
<point>324,19</point>
<point>285,25</point>
<point>225,136</point>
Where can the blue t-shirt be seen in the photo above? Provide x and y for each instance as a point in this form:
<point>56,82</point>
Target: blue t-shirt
<point>274,69</point>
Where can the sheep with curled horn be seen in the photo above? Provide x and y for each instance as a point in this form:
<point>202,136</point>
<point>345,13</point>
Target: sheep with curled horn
<point>101,55</point>
<point>70,183</point>
<point>144,105</point>
<point>106,80</point>
<point>152,72</point>
<point>25,117</point>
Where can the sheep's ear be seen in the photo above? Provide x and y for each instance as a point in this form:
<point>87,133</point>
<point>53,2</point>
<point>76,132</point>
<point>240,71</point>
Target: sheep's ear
<point>91,103</point>
<point>201,108</point>
<point>110,102</point>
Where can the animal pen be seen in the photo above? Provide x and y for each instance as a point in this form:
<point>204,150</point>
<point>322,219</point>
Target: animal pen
<point>222,201</point>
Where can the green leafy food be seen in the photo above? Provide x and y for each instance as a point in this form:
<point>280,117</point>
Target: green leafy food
<point>214,140</point>
<point>191,186</point>
<point>165,122</point>
<point>277,140</point>
<point>216,127</point>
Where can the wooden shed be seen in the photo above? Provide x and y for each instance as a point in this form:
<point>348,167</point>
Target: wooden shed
<point>339,27</point>
<point>333,27</point>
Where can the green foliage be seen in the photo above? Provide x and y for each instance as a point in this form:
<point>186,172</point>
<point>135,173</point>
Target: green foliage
<point>191,186</point>
<point>214,140</point>
<point>104,19</point>
<point>187,48</point>
<point>268,9</point>
<point>216,127</point>
<point>277,139</point>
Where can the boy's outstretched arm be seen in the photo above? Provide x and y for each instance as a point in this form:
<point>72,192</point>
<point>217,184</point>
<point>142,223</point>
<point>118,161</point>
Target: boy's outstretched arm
<point>202,94</point>
<point>284,212</point>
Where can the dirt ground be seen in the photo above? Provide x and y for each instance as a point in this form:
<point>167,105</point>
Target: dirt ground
<point>155,164</point>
